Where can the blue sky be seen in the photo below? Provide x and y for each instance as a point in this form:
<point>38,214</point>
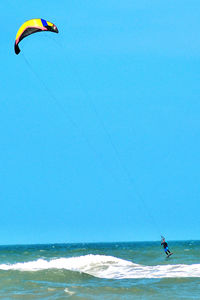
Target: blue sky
<point>100,130</point>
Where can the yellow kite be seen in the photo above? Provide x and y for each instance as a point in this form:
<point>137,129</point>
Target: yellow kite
<point>32,26</point>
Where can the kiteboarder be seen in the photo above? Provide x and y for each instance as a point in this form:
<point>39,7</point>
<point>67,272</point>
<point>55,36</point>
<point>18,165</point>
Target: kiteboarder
<point>165,246</point>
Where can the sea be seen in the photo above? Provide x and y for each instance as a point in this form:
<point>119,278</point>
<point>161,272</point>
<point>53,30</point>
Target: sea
<point>124,270</point>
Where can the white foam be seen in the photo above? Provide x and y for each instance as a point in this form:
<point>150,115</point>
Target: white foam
<point>107,267</point>
<point>66,290</point>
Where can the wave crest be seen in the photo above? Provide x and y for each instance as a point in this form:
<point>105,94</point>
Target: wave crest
<point>107,267</point>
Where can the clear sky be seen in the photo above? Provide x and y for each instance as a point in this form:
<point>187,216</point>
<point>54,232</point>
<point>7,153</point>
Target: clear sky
<point>99,125</point>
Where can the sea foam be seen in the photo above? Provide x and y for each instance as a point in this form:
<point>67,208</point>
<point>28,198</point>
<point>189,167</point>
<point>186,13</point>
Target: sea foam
<point>107,267</point>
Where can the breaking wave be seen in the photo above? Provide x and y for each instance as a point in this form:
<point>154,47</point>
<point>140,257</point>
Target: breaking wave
<point>108,267</point>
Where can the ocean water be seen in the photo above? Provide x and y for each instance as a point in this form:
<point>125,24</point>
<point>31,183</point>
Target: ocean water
<point>137,270</point>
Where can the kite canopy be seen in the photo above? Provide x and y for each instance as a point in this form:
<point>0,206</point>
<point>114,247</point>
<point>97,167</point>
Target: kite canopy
<point>32,26</point>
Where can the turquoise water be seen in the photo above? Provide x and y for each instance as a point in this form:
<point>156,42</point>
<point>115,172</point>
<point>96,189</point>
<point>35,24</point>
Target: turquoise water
<point>136,270</point>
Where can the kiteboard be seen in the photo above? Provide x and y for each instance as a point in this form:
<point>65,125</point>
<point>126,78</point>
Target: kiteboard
<point>169,254</point>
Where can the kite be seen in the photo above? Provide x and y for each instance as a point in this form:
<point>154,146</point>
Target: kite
<point>33,26</point>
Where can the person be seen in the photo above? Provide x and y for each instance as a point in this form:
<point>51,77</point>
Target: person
<point>165,246</point>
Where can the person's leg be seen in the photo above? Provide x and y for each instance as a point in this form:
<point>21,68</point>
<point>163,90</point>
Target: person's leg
<point>167,250</point>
